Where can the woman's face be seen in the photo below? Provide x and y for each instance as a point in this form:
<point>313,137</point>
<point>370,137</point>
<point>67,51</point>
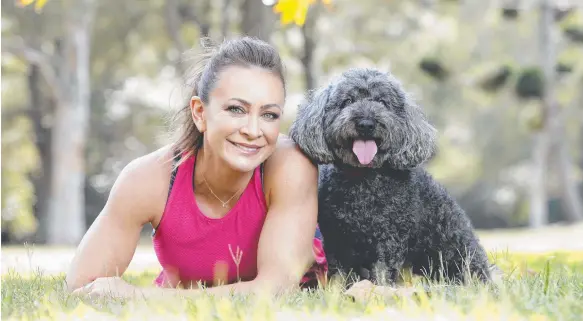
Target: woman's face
<point>242,119</point>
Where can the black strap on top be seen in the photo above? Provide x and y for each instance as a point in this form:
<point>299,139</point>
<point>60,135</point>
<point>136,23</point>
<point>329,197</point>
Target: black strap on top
<point>175,160</point>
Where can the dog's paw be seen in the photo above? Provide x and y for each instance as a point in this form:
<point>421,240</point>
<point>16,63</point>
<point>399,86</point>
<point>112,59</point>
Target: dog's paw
<point>365,290</point>
<point>360,291</point>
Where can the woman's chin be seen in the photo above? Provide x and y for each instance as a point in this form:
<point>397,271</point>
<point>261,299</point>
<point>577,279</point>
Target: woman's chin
<point>243,165</point>
<point>245,160</point>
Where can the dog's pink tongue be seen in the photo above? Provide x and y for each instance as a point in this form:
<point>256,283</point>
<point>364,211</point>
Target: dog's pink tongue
<point>364,150</point>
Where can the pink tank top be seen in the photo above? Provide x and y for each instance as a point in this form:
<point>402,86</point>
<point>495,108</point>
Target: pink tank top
<point>192,247</point>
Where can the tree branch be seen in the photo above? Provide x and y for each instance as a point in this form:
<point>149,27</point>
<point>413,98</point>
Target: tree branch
<point>38,58</point>
<point>173,25</point>
<point>187,14</point>
<point>8,115</point>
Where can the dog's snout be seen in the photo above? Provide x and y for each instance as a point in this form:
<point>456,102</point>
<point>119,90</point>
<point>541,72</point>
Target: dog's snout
<point>365,126</point>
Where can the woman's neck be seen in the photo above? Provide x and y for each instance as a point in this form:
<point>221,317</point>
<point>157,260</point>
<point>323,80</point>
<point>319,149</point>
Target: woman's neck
<point>213,175</point>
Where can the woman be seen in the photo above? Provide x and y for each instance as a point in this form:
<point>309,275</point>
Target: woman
<point>234,205</point>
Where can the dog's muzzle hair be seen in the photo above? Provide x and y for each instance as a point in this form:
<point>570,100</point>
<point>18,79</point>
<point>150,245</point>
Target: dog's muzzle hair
<point>363,119</point>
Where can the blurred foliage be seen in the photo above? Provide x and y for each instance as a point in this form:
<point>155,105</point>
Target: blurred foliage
<point>530,83</point>
<point>19,155</point>
<point>468,64</point>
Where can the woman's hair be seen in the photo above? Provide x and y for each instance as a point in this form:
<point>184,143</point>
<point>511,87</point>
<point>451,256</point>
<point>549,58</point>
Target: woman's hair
<point>202,76</point>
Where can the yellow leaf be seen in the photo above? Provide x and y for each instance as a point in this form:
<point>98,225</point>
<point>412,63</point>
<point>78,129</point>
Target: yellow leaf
<point>294,10</point>
<point>24,3</point>
<point>38,4</point>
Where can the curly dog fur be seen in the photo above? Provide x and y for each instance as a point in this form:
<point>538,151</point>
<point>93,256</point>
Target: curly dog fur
<point>380,216</point>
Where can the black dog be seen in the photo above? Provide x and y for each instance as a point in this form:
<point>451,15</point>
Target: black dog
<point>379,211</point>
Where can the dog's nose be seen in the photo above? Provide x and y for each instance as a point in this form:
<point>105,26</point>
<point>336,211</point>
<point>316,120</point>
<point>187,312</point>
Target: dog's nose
<point>365,126</point>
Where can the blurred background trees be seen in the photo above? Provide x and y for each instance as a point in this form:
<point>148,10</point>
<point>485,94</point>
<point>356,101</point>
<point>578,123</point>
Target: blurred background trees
<point>87,86</point>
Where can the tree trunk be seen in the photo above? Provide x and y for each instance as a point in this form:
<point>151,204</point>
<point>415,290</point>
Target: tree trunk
<point>40,106</point>
<point>570,198</point>
<point>257,19</point>
<point>538,188</point>
<point>67,213</point>
<point>540,154</point>
<point>225,18</point>
<point>581,132</point>
<point>554,125</point>
<point>173,25</point>
<point>307,58</point>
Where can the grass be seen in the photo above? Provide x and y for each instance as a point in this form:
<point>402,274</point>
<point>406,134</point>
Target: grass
<point>534,287</point>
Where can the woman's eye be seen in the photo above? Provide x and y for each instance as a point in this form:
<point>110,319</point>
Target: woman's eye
<point>236,109</point>
<point>271,116</point>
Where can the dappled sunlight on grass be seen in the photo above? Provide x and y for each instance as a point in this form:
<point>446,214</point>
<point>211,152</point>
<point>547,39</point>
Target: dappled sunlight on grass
<point>534,287</point>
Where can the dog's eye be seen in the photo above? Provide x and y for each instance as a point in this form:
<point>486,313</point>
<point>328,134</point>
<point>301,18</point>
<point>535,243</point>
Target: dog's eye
<point>347,101</point>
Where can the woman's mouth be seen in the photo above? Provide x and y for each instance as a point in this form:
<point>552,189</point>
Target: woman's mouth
<point>248,149</point>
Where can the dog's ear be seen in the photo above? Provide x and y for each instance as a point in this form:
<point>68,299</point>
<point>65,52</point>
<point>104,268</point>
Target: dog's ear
<point>420,141</point>
<point>307,129</point>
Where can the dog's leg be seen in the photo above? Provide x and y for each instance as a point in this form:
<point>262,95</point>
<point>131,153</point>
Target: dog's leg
<point>343,269</point>
<point>333,265</point>
<point>462,257</point>
<point>378,274</point>
<point>446,244</point>
<point>457,253</point>
<point>390,260</point>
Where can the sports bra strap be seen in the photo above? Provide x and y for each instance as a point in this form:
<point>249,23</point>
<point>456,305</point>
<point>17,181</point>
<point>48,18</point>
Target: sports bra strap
<point>175,160</point>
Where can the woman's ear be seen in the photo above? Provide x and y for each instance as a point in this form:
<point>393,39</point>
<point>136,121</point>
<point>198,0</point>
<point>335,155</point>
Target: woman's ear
<point>197,112</point>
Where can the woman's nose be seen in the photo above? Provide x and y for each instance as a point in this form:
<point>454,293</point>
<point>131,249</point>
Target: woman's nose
<point>251,128</point>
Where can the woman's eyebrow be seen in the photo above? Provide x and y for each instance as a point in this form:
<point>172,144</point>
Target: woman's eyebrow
<point>244,102</point>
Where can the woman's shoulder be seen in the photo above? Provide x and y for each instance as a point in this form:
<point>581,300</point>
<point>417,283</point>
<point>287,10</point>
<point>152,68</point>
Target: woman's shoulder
<point>154,165</point>
<point>287,153</point>
<point>288,167</point>
<point>144,181</point>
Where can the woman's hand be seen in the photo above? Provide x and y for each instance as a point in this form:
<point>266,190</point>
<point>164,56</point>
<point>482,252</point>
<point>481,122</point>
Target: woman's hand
<point>108,287</point>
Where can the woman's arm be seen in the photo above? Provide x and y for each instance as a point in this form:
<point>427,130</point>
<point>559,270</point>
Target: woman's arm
<point>137,196</point>
<point>286,244</point>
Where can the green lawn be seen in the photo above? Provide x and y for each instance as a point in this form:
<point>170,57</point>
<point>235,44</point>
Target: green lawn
<point>535,287</point>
